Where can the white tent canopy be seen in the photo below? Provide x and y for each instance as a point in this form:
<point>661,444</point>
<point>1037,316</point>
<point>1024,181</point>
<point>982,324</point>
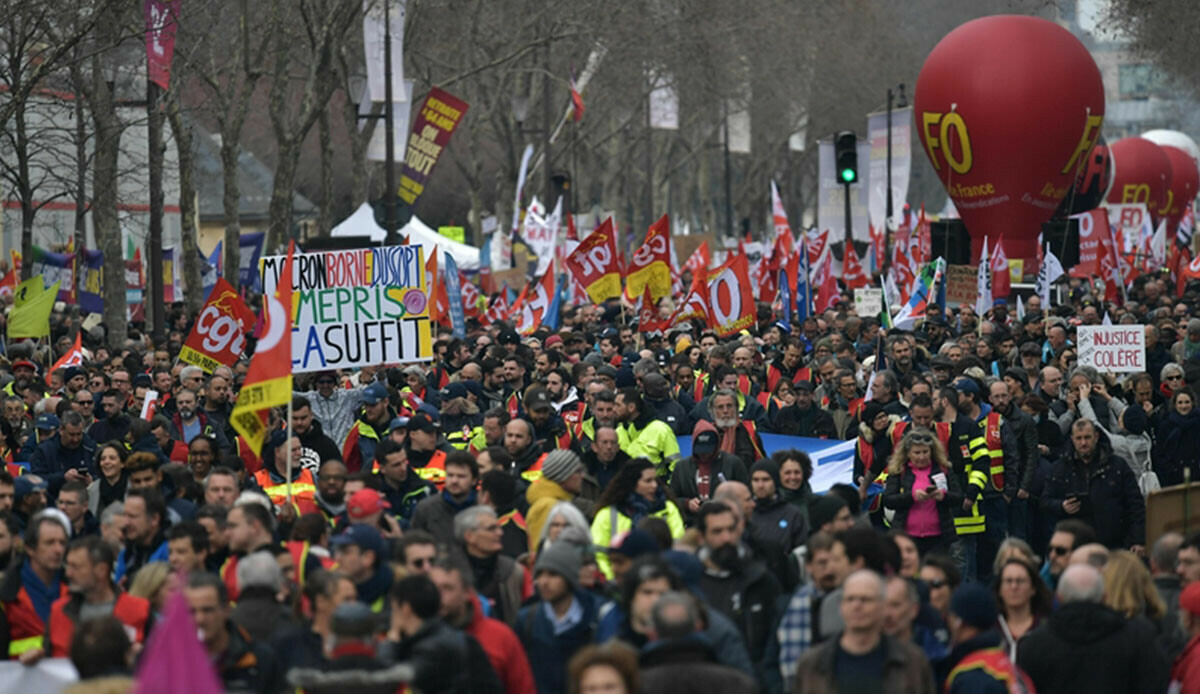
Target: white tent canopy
<point>362,223</point>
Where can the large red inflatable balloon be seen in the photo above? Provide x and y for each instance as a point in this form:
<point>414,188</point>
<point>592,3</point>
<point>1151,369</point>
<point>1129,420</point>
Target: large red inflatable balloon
<point>1008,109</point>
<point>1185,178</point>
<point>1143,174</point>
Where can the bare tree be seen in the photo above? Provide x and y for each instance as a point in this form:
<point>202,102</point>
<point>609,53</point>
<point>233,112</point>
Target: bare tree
<point>184,136</point>
<point>226,47</point>
<point>303,79</point>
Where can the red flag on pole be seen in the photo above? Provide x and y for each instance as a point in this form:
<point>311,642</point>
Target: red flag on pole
<point>73,357</point>
<point>827,289</point>
<point>852,270</point>
<point>730,298</point>
<point>1001,276</point>
<point>269,380</point>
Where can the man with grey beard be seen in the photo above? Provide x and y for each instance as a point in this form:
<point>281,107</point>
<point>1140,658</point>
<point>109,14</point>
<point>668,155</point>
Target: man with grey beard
<point>737,436</point>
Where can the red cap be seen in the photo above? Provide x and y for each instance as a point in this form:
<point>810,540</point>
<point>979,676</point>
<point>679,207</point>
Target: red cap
<point>552,340</point>
<point>365,502</point>
<point>1189,599</point>
<point>25,363</point>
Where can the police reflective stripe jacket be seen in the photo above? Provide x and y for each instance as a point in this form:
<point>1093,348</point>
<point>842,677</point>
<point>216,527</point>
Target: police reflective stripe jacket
<point>304,487</point>
<point>994,451</point>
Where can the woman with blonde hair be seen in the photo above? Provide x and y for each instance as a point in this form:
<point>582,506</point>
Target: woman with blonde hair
<point>923,491</point>
<point>1130,590</point>
<point>153,582</point>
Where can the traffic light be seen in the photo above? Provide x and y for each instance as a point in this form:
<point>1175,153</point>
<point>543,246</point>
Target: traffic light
<point>845,155</point>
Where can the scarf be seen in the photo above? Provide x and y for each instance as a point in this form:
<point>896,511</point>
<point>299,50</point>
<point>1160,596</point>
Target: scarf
<point>1189,348</point>
<point>110,493</point>
<point>639,507</point>
<point>466,503</point>
<point>729,439</point>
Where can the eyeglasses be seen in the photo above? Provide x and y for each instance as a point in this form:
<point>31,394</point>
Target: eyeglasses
<point>937,583</point>
<point>89,401</point>
<point>1059,551</point>
<point>1175,378</point>
<point>422,562</point>
<point>920,437</point>
<point>326,382</point>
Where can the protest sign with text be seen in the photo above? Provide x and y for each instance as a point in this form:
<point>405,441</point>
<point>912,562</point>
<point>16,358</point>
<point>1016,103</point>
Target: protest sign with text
<point>357,307</point>
<point>434,124</point>
<point>1112,348</point>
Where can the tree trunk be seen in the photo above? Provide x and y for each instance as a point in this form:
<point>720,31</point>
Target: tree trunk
<point>282,195</point>
<point>230,201</point>
<point>81,167</point>
<point>104,204</point>
<point>183,134</point>
<point>25,190</point>
<point>325,212</point>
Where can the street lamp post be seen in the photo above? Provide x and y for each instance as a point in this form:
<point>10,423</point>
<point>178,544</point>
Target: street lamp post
<point>389,116</point>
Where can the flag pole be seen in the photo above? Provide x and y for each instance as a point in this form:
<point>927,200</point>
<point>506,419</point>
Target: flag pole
<point>288,443</point>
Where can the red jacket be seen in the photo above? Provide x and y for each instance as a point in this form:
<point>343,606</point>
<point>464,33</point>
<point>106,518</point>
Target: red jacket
<point>133,612</point>
<point>504,650</point>
<point>1186,670</point>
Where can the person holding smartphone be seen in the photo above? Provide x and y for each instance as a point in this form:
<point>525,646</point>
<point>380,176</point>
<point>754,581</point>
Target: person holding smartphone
<point>923,491</point>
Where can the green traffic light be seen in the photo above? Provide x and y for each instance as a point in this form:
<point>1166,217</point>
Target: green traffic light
<point>848,175</point>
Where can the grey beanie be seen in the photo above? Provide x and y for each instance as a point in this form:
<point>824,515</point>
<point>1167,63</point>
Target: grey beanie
<point>562,559</point>
<point>560,465</point>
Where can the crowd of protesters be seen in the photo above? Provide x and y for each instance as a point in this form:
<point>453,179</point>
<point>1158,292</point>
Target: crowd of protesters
<point>517,516</point>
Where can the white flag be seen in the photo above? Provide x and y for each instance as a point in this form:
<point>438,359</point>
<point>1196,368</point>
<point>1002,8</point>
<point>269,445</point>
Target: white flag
<point>1107,320</point>
<point>983,282</point>
<point>1158,245</point>
<point>891,292</point>
<point>1020,309</point>
<point>375,33</point>
<point>528,154</point>
<point>1051,270</point>
<point>779,218</point>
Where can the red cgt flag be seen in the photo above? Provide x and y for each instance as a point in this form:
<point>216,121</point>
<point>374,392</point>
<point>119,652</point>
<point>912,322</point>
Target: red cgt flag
<point>219,334</point>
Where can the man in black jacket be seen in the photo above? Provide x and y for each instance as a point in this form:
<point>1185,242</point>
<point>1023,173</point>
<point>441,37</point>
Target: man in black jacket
<point>67,456</point>
<point>242,665</point>
<point>315,446</point>
<point>677,659</point>
<point>775,527</point>
<point>443,658</point>
<point>1088,647</point>
<point>804,418</point>
<point>697,477</point>
<point>658,400</point>
<point>1092,484</point>
<point>1024,429</point>
<point>736,585</point>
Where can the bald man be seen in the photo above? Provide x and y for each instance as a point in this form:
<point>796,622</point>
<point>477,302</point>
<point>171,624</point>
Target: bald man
<point>863,657</point>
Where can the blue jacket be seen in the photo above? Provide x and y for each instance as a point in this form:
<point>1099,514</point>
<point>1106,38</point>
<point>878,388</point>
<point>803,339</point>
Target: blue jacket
<point>51,461</point>
<point>551,652</point>
<point>126,560</point>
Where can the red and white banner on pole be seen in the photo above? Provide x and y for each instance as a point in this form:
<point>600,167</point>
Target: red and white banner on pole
<point>219,335</point>
<point>162,18</point>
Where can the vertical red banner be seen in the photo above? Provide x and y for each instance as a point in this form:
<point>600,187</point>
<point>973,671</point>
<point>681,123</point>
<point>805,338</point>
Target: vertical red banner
<point>161,17</point>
